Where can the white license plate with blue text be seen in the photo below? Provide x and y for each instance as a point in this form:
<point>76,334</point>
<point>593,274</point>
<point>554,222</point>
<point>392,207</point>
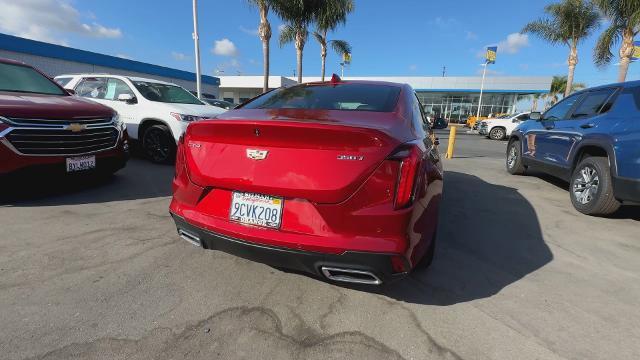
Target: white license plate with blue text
<point>256,209</point>
<point>81,163</point>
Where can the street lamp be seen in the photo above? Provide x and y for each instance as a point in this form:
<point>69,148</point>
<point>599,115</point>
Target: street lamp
<point>196,41</point>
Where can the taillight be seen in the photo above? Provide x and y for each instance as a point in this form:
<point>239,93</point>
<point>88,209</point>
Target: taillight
<point>409,158</point>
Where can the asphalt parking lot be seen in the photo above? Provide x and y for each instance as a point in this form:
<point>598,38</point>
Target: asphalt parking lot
<point>93,269</point>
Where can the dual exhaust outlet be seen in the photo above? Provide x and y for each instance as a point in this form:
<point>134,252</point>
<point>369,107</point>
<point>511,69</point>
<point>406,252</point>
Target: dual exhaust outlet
<point>331,273</point>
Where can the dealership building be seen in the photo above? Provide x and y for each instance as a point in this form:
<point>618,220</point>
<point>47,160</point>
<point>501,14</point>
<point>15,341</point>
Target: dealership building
<point>56,60</point>
<point>455,98</point>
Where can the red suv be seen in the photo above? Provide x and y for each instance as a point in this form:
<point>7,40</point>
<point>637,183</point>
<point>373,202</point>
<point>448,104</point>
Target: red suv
<point>41,124</point>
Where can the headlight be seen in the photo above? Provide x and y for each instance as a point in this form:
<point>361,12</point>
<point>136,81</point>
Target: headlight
<point>186,118</point>
<point>117,122</point>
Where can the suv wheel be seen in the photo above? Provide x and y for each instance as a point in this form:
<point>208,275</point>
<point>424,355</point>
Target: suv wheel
<point>591,187</point>
<point>497,133</point>
<point>158,144</point>
<point>514,158</point>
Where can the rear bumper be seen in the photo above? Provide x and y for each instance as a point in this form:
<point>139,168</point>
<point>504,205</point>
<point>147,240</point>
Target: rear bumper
<point>626,189</point>
<point>304,261</point>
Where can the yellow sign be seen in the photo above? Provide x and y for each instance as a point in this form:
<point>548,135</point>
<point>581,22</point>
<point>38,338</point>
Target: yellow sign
<point>346,58</point>
<point>636,51</point>
<point>492,54</point>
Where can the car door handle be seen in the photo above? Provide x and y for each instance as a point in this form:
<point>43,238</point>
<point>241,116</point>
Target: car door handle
<point>587,126</point>
<point>549,127</point>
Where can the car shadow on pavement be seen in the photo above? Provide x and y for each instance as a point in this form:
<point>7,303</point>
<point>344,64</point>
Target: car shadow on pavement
<point>140,179</point>
<point>489,237</point>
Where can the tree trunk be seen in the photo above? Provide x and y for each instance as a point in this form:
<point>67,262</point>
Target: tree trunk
<point>323,55</point>
<point>534,106</point>
<point>626,51</point>
<point>300,41</point>
<point>264,31</point>
<point>265,60</point>
<point>573,61</point>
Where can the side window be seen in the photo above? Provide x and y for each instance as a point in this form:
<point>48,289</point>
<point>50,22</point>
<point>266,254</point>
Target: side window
<point>419,119</point>
<point>523,117</point>
<point>63,81</point>
<point>594,103</point>
<point>94,88</point>
<point>116,87</point>
<point>560,110</point>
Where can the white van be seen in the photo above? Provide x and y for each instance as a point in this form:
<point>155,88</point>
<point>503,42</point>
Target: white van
<point>156,112</point>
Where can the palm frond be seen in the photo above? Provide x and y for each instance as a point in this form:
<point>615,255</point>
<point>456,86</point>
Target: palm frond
<point>321,39</point>
<point>287,35</point>
<point>602,54</point>
<point>341,47</point>
<point>545,29</point>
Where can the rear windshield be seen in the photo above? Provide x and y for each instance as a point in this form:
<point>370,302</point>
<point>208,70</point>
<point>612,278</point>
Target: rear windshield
<point>344,96</point>
<point>24,79</point>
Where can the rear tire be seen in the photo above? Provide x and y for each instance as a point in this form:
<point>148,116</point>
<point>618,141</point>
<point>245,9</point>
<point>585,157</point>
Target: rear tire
<point>427,259</point>
<point>591,187</point>
<point>514,158</point>
<point>497,133</point>
<point>158,144</point>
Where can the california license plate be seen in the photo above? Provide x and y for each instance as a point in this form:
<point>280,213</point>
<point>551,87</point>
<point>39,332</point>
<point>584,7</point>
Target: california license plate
<point>256,209</point>
<point>81,163</point>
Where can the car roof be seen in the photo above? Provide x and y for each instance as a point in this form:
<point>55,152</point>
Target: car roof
<point>626,84</point>
<point>367,82</point>
<point>132,78</point>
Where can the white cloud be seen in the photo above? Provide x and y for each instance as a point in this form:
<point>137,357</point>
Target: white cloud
<point>225,47</point>
<point>179,56</point>
<point>124,56</point>
<point>489,72</point>
<point>281,27</point>
<point>471,35</point>
<point>48,20</point>
<point>513,43</point>
<point>253,32</point>
<point>413,67</point>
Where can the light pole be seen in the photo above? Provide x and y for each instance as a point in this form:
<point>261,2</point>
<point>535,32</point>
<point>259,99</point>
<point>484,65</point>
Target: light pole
<point>484,73</point>
<point>196,41</point>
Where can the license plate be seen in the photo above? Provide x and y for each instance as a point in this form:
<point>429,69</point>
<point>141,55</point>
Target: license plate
<point>256,209</point>
<point>81,163</point>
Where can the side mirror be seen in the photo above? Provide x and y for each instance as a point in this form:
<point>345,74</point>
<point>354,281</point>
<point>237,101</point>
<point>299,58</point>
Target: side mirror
<point>128,98</point>
<point>536,116</point>
<point>70,91</point>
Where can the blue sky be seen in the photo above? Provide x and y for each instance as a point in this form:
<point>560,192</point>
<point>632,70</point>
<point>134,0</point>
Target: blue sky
<point>401,37</point>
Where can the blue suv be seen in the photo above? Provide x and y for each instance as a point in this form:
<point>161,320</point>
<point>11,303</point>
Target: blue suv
<point>591,139</point>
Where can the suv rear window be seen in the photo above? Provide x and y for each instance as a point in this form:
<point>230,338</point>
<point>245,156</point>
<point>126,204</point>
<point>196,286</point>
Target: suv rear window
<point>24,79</point>
<point>344,96</point>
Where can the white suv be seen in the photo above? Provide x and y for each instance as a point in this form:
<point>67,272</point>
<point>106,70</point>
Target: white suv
<point>501,128</point>
<point>156,113</point>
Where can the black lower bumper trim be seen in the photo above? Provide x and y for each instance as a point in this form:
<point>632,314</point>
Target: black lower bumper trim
<point>626,189</point>
<point>304,261</point>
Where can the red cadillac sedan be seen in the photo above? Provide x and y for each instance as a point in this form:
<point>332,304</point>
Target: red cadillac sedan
<point>339,179</point>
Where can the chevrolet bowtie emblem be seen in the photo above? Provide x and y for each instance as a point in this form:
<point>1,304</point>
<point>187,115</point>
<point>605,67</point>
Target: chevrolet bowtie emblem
<point>254,154</point>
<point>75,127</point>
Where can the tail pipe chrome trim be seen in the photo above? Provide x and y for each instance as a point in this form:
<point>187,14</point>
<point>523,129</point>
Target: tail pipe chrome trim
<point>190,237</point>
<point>350,276</point>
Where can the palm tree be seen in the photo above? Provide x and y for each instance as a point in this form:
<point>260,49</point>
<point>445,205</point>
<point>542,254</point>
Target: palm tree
<point>329,16</point>
<point>559,86</point>
<point>264,32</point>
<point>297,15</point>
<point>624,16</point>
<point>569,22</point>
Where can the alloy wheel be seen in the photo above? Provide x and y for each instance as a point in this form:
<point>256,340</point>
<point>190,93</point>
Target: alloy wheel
<point>513,157</point>
<point>585,186</point>
<point>156,145</point>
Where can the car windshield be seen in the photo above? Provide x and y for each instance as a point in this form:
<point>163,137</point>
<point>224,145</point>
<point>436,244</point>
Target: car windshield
<point>165,93</point>
<point>343,96</point>
<point>24,79</point>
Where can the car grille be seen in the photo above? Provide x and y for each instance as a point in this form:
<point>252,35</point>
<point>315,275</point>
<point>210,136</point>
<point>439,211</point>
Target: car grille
<point>21,122</point>
<point>46,141</point>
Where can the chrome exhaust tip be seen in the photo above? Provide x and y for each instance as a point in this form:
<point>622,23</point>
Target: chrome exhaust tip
<point>350,276</point>
<point>190,237</point>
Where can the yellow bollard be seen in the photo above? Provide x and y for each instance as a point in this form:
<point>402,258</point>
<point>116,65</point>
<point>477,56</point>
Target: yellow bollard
<point>452,142</point>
